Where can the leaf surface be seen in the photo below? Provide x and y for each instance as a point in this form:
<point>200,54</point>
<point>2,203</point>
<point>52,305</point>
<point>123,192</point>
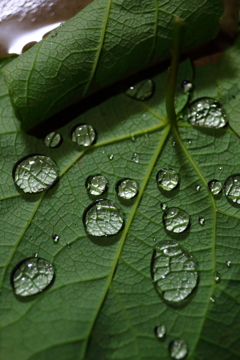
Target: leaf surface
<point>106,41</point>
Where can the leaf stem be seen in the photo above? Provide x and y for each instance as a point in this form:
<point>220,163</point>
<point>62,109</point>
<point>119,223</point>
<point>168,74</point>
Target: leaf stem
<point>178,30</point>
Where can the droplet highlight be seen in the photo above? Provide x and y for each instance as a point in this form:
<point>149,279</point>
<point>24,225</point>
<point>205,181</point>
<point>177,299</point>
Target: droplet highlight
<point>206,112</point>
<point>31,276</point>
<point>84,135</point>
<point>232,188</point>
<point>167,179</point>
<point>173,271</point>
<point>160,331</point>
<point>127,189</point>
<point>53,140</point>
<point>35,173</point>
<point>96,185</point>
<point>103,218</point>
<point>215,187</point>
<point>176,220</point>
<point>141,91</point>
<point>178,349</point>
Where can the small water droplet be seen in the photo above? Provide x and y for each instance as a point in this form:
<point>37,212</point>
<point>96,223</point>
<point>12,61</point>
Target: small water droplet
<point>31,238</point>
<point>53,34</point>
<point>220,168</point>
<point>53,140</point>
<point>36,255</point>
<point>217,278</point>
<point>141,91</point>
<point>201,221</point>
<point>186,86</point>
<point>154,239</point>
<point>68,245</point>
<point>35,173</point>
<point>215,187</point>
<point>189,141</point>
<point>176,220</point>
<point>133,138</point>
<point>104,152</point>
<point>103,218</point>
<point>198,187</point>
<point>173,271</point>
<point>212,299</point>
<point>232,188</point>
<point>206,112</point>
<point>96,185</point>
<point>228,263</point>
<point>31,276</point>
<point>127,189</point>
<point>178,349</point>
<point>160,331</point>
<point>62,23</point>
<point>174,143</point>
<point>55,238</point>
<point>167,179</point>
<point>84,135</point>
<point>111,157</point>
<point>163,206</point>
<point>135,158</point>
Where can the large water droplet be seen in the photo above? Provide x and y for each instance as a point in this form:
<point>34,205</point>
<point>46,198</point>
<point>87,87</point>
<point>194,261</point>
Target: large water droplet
<point>96,185</point>
<point>173,271</point>
<point>135,158</point>
<point>167,179</point>
<point>215,187</point>
<point>186,86</point>
<point>103,218</point>
<point>52,140</point>
<point>141,91</point>
<point>35,173</point>
<point>31,276</point>
<point>176,220</point>
<point>232,188</point>
<point>84,135</point>
<point>55,238</point>
<point>178,349</point>
<point>206,112</point>
<point>127,189</point>
<point>160,331</point>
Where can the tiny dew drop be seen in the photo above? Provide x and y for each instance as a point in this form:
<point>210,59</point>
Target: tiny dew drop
<point>173,271</point>
<point>174,143</point>
<point>154,239</point>
<point>127,189</point>
<point>217,278</point>
<point>36,173</point>
<point>220,168</point>
<point>135,158</point>
<point>198,187</point>
<point>141,91</point>
<point>55,238</point>
<point>31,276</point>
<point>103,218</point>
<point>189,141</point>
<point>160,331</point>
<point>133,138</point>
<point>84,135</point>
<point>215,187</point>
<point>178,349</point>
<point>176,220</point>
<point>212,299</point>
<point>96,185</point>
<point>36,255</point>
<point>111,157</point>
<point>201,221</point>
<point>53,140</point>
<point>232,188</point>
<point>228,263</point>
<point>206,112</point>
<point>167,179</point>
<point>53,34</point>
<point>186,86</point>
<point>163,206</point>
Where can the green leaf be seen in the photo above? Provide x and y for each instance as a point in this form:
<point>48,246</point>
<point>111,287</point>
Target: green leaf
<point>103,303</point>
<point>105,42</point>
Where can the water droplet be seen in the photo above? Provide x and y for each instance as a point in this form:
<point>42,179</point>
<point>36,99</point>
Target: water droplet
<point>135,158</point>
<point>217,278</point>
<point>160,331</point>
<point>141,91</point>
<point>212,299</point>
<point>176,220</point>
<point>215,187</point>
<point>31,276</point>
<point>35,173</point>
<point>154,239</point>
<point>52,140</point>
<point>127,189</point>
<point>96,185</point>
<point>186,86</point>
<point>232,188</point>
<point>62,23</point>
<point>220,168</point>
<point>163,206</point>
<point>53,34</point>
<point>178,349</point>
<point>198,187</point>
<point>133,138</point>
<point>167,179</point>
<point>103,218</point>
<point>36,255</point>
<point>55,238</point>
<point>206,112</point>
<point>31,238</point>
<point>68,245</point>
<point>111,157</point>
<point>173,271</point>
<point>201,221</point>
<point>189,141</point>
<point>84,135</point>
<point>228,263</point>
<point>174,143</point>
